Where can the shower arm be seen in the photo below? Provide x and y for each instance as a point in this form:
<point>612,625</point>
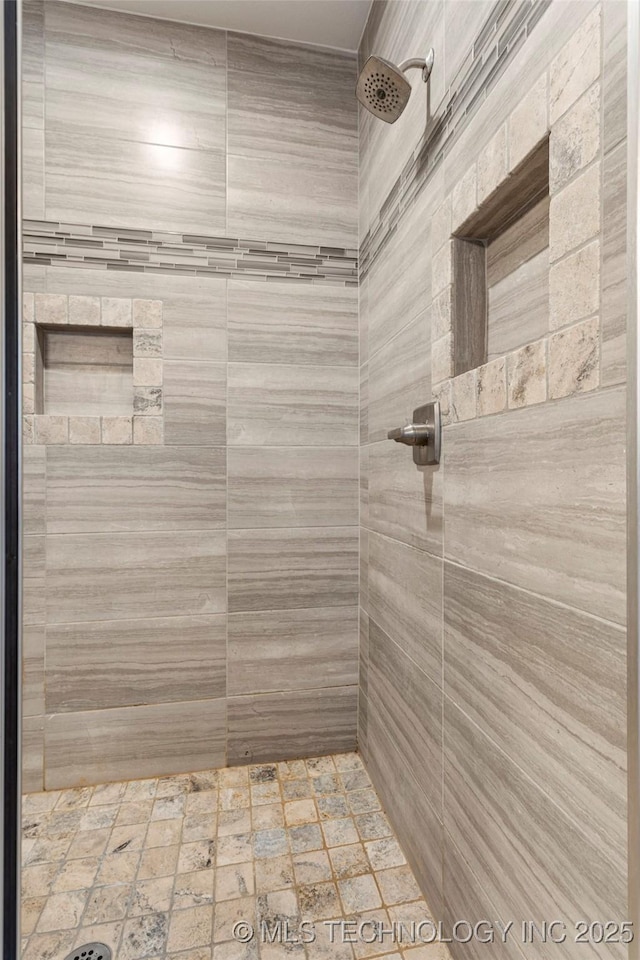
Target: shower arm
<point>417,63</point>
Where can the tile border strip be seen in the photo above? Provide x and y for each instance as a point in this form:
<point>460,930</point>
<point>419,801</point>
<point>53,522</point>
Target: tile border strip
<point>97,247</point>
<point>145,426</point>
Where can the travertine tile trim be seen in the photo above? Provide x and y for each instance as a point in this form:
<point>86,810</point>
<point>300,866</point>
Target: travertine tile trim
<point>145,425</point>
<point>564,104</point>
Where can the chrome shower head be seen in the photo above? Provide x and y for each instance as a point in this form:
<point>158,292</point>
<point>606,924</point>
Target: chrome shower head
<point>384,90</point>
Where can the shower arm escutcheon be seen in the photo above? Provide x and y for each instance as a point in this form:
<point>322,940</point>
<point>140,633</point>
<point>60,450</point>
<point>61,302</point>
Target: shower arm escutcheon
<point>424,434</point>
<point>417,63</point>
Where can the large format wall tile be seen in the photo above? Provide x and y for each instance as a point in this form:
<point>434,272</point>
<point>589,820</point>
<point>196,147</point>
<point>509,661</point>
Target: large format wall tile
<point>536,497</point>
<point>154,81</point>
<point>463,21</point>
<point>404,500</point>
<point>283,726</point>
<point>276,107</point>
<point>281,323</point>
<point>548,687</point>
<point>32,754</point>
<point>613,321</point>
<point>194,318</point>
<point>364,405</point>
<point>133,742</point>
<point>286,404</point>
<point>292,152</point>
<point>32,64</point>
<point>33,600</point>
<point>33,644</point>
<point>121,576</point>
<point>363,684</point>
<point>508,827</point>
<point>194,402</point>
<point>614,89</point>
<point>409,707</point>
<point>120,489</point>
<point>120,663</point>
<point>33,90</point>
<point>33,557</point>
<point>405,599</point>
<point>364,569</point>
<point>135,121</point>
<point>292,487</point>
<point>400,378</point>
<point>33,489</point>
<point>292,568</point>
<point>281,200</point>
<point>399,284</point>
<point>292,650</point>
<point>120,182</point>
<point>465,898</point>
<point>414,820</point>
<point>364,486</point>
<point>33,173</point>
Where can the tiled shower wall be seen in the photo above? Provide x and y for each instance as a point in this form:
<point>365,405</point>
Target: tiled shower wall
<point>492,682</point>
<point>194,602</point>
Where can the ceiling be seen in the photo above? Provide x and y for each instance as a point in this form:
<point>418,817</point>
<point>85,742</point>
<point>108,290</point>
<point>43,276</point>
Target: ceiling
<point>329,23</point>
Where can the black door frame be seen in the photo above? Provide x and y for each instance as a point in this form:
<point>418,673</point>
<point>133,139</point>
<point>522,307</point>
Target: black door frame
<point>11,479</point>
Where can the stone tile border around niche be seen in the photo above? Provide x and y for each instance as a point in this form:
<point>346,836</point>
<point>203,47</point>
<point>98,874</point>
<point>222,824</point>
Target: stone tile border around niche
<point>565,105</point>
<point>144,319</point>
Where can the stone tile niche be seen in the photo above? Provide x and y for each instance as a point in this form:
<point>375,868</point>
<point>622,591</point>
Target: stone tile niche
<point>81,372</point>
<point>92,370</point>
<point>515,266</point>
<point>500,264</point>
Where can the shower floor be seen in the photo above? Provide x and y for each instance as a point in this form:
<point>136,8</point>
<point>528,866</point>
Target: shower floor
<point>165,868</point>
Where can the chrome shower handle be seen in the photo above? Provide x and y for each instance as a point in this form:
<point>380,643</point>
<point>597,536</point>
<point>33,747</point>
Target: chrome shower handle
<point>423,434</point>
<point>412,434</point>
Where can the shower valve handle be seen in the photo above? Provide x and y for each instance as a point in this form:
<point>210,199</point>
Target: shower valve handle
<point>412,434</point>
<point>423,434</point>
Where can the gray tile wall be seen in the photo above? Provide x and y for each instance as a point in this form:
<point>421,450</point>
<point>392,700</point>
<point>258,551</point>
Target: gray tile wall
<point>492,654</point>
<point>170,127</point>
<point>195,603</point>
<point>488,676</point>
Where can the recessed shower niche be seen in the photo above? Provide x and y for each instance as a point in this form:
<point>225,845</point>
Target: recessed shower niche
<point>500,263</point>
<point>84,372</point>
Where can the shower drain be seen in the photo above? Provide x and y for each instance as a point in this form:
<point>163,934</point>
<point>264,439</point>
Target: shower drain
<point>90,951</point>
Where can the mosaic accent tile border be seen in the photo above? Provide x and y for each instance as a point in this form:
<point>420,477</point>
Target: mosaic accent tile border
<point>156,251</point>
<point>144,319</point>
<point>504,33</point>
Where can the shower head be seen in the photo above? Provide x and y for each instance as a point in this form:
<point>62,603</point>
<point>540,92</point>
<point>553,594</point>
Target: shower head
<point>384,90</point>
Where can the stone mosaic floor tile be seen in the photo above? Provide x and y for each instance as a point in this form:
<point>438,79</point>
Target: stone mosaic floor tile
<point>164,869</point>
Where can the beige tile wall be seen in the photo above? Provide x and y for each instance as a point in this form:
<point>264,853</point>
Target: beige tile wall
<point>492,653</point>
<point>194,594</point>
